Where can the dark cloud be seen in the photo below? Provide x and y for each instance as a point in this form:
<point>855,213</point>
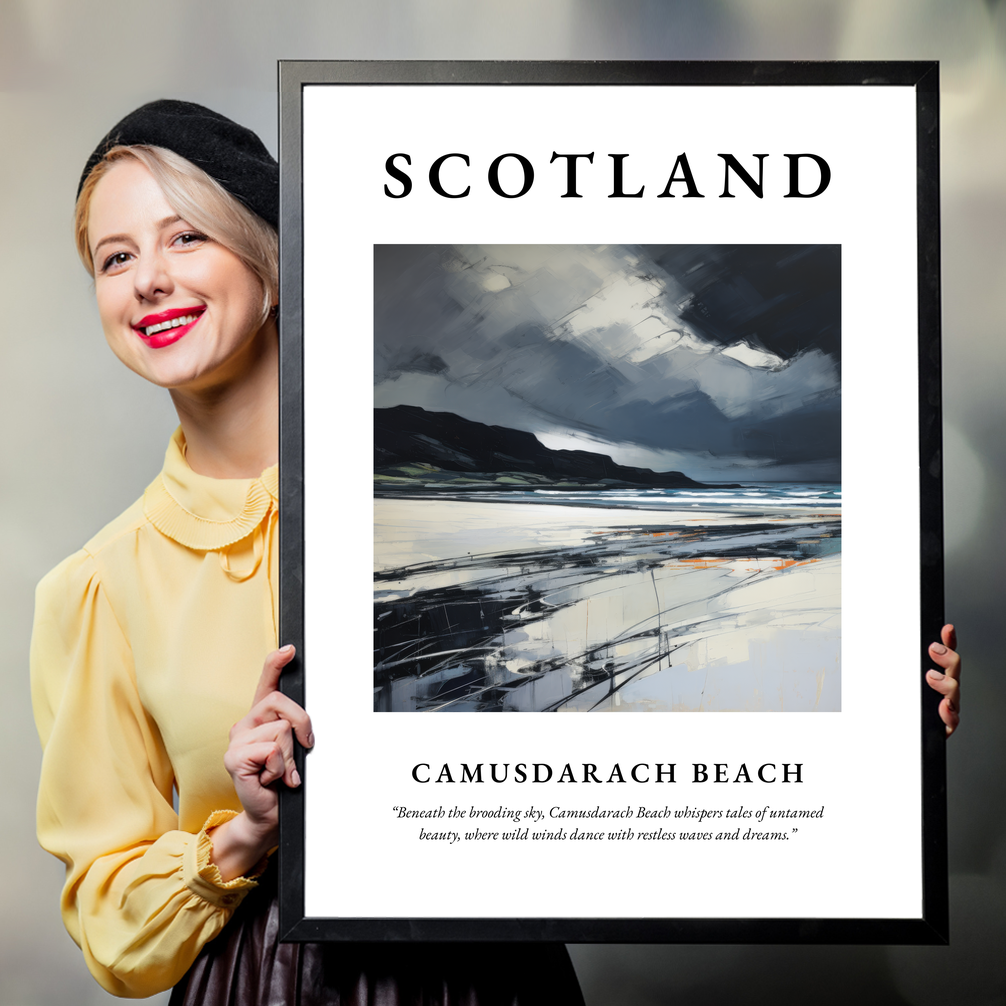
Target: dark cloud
<point>782,298</point>
<point>705,358</point>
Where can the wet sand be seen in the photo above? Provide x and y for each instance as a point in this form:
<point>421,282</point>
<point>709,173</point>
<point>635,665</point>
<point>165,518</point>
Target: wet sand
<point>514,607</point>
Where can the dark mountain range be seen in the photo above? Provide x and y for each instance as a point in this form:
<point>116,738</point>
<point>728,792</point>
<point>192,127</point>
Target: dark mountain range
<point>413,446</point>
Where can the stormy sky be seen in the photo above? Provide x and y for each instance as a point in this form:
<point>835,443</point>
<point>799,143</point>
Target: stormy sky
<point>721,361</point>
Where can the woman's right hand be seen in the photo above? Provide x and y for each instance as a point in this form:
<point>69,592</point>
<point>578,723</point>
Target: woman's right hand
<point>259,754</point>
<point>948,681</point>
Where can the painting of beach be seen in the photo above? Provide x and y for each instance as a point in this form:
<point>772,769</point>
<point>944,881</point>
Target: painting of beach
<point>607,478</point>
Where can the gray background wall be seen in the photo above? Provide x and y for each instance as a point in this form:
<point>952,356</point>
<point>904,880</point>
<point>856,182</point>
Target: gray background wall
<point>82,436</point>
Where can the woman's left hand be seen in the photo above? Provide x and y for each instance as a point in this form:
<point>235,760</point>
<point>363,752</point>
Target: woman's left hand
<point>948,681</point>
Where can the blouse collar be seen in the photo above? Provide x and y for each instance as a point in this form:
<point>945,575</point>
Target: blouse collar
<point>204,513</point>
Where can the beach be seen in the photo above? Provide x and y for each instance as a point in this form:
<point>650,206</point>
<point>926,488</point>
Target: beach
<point>615,602</point>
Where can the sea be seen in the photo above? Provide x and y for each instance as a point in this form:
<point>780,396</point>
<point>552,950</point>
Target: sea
<point>749,496</point>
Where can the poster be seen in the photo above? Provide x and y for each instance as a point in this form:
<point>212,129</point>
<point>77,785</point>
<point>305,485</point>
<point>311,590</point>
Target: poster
<point>602,383</point>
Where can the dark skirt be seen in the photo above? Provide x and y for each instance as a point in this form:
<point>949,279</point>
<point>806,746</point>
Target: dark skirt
<point>246,965</point>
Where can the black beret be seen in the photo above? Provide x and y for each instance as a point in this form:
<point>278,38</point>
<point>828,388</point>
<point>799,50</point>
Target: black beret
<point>231,154</point>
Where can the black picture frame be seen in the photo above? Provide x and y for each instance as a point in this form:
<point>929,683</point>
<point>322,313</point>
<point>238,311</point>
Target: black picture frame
<point>931,925</point>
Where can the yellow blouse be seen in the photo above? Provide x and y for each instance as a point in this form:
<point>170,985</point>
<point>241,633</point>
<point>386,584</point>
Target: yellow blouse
<point>147,647</point>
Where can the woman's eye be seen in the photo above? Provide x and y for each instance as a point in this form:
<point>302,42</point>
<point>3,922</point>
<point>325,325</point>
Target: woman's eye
<point>190,238</point>
<point>114,261</point>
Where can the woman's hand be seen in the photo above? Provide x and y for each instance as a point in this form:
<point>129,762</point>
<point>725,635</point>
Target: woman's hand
<point>948,681</point>
<point>260,754</point>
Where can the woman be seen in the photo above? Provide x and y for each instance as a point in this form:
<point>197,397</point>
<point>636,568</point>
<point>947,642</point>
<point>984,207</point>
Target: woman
<point>148,643</point>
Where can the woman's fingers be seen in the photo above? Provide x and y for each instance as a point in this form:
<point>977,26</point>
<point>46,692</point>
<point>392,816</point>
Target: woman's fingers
<point>270,703</point>
<point>949,710</point>
<point>277,706</point>
<point>945,655</point>
<point>274,735</point>
<point>947,680</point>
<point>271,671</point>
<point>261,749</point>
<point>258,761</point>
<point>949,636</point>
<point>950,716</point>
<point>947,686</point>
<point>274,766</point>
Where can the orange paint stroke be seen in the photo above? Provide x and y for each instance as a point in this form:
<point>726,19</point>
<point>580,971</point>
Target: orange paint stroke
<point>786,563</point>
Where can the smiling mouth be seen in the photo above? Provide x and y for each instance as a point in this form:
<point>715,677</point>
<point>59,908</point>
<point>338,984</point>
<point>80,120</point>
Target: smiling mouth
<point>167,321</point>
<point>185,319</point>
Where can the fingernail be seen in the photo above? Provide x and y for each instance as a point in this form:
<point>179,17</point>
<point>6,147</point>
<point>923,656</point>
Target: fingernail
<point>938,648</point>
<point>287,649</point>
<point>936,676</point>
<point>295,777</point>
<point>310,740</point>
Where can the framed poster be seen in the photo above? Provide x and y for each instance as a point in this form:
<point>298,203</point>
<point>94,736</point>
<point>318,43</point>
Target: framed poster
<point>612,388</point>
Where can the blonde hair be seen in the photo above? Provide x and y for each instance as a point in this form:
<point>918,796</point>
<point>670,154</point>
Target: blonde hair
<point>199,200</point>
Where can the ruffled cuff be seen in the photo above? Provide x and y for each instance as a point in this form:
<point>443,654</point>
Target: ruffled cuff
<point>203,878</point>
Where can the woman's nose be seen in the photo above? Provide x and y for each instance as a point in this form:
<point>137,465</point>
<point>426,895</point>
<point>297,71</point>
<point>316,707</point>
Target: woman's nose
<point>152,277</point>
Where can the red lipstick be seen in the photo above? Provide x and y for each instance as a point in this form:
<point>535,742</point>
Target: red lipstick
<point>166,325</point>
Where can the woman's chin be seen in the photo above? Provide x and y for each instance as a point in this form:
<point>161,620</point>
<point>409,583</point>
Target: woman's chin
<point>172,374</point>
<point>197,365</point>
